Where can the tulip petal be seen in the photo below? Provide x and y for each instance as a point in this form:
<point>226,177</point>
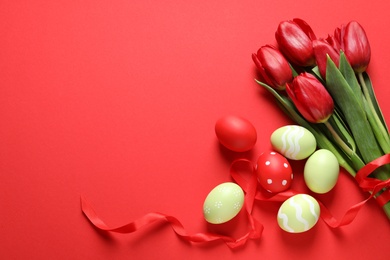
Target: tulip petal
<point>306,28</point>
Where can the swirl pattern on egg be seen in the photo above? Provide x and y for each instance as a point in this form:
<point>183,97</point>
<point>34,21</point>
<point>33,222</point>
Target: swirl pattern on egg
<point>298,213</point>
<point>294,142</point>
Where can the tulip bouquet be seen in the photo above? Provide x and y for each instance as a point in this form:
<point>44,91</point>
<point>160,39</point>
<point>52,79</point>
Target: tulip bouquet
<point>322,84</point>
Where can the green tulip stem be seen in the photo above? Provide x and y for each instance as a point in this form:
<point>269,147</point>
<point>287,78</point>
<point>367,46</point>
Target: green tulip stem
<point>336,121</point>
<point>338,139</point>
<point>384,134</point>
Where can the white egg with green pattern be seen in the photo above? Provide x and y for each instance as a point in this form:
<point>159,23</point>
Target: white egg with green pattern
<point>223,203</point>
<point>321,171</point>
<point>293,142</point>
<point>298,213</point>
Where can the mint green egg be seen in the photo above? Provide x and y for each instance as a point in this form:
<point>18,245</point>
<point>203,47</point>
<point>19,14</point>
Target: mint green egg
<point>223,203</point>
<point>293,142</point>
<point>321,171</point>
<point>298,214</point>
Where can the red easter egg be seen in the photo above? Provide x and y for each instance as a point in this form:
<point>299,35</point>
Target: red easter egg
<point>236,133</point>
<point>274,172</point>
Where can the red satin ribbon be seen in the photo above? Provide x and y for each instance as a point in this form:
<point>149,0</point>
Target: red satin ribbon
<point>250,191</point>
<point>158,217</point>
<point>366,184</point>
<point>374,185</point>
<point>249,185</point>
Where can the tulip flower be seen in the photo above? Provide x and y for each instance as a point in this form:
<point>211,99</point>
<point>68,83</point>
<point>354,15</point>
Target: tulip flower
<point>295,42</point>
<point>322,49</point>
<point>310,98</point>
<point>273,67</point>
<point>354,43</point>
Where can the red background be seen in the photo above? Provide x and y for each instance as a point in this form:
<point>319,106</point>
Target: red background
<point>117,101</point>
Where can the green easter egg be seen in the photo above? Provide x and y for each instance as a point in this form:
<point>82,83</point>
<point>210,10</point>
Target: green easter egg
<point>321,171</point>
<point>293,142</point>
<point>298,214</point>
<point>223,203</point>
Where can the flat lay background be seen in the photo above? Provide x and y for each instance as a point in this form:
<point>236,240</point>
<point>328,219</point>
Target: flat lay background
<point>117,101</point>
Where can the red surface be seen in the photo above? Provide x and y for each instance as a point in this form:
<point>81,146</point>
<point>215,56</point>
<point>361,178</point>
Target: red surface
<point>117,101</point>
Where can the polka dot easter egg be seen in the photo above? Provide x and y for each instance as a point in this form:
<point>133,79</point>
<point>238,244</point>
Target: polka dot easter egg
<point>274,172</point>
<point>294,142</point>
<point>298,214</point>
<point>223,203</point>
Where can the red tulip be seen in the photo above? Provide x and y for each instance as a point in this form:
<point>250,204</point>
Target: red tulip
<point>273,67</point>
<point>310,98</point>
<point>295,42</point>
<point>354,43</point>
<point>321,49</point>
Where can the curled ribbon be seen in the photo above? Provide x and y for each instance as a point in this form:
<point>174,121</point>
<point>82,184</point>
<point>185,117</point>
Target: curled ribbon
<point>249,185</point>
<point>250,192</point>
<point>374,185</point>
<point>366,184</point>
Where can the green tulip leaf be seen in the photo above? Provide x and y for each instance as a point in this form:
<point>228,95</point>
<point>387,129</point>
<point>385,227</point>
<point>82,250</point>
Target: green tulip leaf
<point>353,111</point>
<point>374,100</point>
<point>349,75</point>
<point>294,72</point>
<point>315,70</point>
<point>339,126</point>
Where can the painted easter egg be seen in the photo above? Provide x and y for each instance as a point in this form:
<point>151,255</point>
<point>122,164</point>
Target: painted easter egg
<point>223,203</point>
<point>236,133</point>
<point>274,172</point>
<point>321,171</point>
<point>294,142</point>
<point>298,214</point>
